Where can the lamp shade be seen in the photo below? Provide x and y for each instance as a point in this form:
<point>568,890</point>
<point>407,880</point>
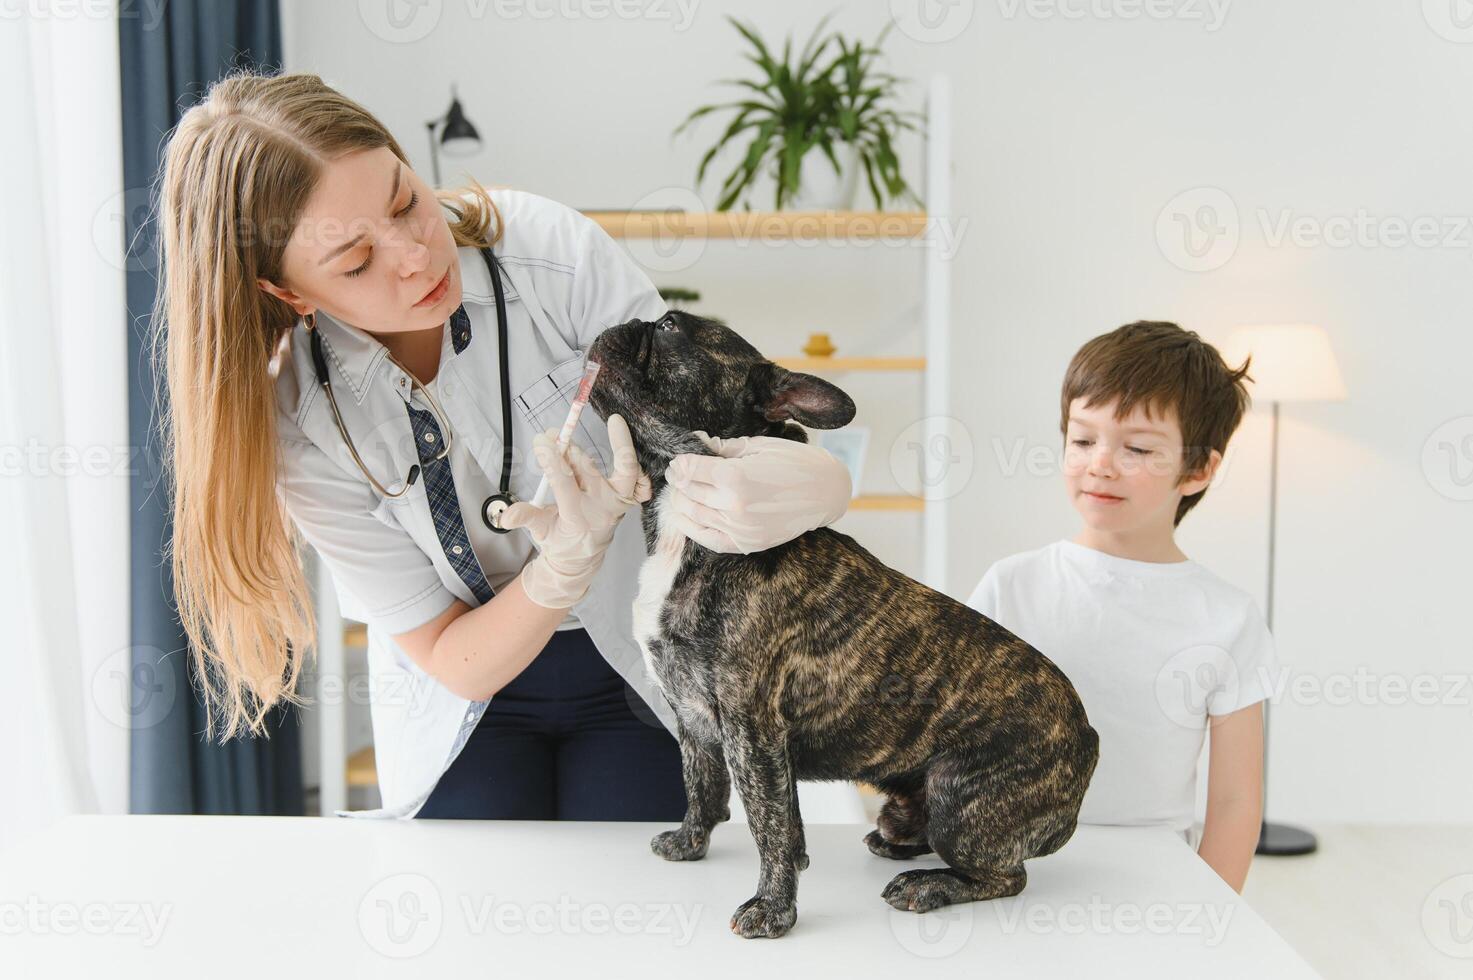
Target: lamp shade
<point>1292,362</point>
<point>459,137</point>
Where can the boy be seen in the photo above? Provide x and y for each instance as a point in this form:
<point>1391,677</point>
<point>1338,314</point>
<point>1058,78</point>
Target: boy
<point>1158,647</point>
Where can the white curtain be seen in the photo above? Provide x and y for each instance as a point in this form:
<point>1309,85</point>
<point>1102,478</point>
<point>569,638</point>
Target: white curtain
<point>64,454</point>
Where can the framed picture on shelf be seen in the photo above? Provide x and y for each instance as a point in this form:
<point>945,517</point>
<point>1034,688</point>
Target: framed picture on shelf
<point>848,446</point>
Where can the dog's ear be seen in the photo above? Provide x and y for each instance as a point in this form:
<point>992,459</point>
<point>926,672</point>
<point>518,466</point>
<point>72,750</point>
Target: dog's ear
<point>779,395</point>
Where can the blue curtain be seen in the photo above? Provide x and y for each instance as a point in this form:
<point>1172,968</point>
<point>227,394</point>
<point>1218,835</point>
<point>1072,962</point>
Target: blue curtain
<point>169,56</point>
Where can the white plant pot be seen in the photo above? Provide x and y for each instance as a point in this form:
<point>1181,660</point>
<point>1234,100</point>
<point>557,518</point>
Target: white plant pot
<point>819,188</point>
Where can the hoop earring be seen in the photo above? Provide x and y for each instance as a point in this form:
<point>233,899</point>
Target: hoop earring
<point>311,320</point>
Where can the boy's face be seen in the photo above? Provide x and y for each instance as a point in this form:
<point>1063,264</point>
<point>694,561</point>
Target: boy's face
<point>1124,475</point>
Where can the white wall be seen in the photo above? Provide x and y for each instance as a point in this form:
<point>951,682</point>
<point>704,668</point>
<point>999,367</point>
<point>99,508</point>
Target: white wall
<point>1072,134</point>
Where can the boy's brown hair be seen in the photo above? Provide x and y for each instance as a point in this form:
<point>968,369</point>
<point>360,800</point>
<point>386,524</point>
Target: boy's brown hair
<point>1164,369</point>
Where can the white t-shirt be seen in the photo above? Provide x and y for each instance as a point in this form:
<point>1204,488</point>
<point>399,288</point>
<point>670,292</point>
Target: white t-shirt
<point>1153,648</point>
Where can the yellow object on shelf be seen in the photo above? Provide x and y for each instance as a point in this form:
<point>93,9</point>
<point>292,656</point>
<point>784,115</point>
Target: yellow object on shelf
<point>764,225</point>
<point>362,769</point>
<point>819,345</point>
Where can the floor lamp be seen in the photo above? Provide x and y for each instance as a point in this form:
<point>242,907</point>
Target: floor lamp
<point>1291,363</point>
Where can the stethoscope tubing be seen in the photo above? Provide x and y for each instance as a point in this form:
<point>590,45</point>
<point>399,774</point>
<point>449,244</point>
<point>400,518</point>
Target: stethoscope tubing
<point>495,504</point>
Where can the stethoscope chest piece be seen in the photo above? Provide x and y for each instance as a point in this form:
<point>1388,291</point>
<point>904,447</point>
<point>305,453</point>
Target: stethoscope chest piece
<point>493,508</point>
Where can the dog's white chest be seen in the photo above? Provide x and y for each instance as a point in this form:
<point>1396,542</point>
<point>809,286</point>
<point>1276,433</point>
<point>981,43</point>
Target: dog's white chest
<point>656,576</point>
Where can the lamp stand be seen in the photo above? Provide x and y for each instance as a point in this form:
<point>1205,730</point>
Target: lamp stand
<point>434,150</point>
<point>1279,840</point>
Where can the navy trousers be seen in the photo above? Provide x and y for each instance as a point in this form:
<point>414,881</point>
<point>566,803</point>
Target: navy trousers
<point>563,741</point>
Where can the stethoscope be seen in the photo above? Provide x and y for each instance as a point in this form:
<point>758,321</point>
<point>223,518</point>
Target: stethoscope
<point>494,505</point>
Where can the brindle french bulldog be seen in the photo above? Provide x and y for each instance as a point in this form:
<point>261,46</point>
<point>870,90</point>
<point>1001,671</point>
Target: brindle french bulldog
<point>812,660</point>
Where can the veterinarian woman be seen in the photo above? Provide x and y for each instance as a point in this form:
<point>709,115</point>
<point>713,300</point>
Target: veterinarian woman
<point>505,679</point>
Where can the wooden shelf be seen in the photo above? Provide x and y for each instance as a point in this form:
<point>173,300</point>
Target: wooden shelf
<point>362,769</point>
<point>817,364</point>
<point>880,502</point>
<point>764,225</point>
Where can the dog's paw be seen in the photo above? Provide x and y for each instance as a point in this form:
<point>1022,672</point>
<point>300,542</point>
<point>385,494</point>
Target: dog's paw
<point>763,917</point>
<point>925,889</point>
<point>877,844</point>
<point>680,844</point>
<point>800,860</point>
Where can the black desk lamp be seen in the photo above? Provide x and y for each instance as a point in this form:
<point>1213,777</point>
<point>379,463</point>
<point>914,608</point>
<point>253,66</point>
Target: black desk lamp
<point>459,138</point>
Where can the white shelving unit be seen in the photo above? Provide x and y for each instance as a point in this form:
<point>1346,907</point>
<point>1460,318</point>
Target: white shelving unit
<point>332,731</point>
<point>937,317</point>
<point>928,225</point>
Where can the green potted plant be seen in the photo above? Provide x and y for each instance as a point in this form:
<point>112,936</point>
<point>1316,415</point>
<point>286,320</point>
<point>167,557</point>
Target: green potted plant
<point>832,99</point>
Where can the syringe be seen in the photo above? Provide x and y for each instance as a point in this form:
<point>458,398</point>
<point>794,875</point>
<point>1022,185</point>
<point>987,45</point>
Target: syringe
<point>585,388</point>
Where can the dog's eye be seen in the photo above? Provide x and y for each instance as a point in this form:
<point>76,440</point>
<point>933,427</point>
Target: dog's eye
<point>667,322</point>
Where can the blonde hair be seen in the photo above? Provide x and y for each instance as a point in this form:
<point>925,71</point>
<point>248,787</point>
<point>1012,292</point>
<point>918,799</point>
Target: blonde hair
<point>237,172</point>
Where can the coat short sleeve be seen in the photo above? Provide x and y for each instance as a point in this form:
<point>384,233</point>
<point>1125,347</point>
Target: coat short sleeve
<point>370,556</point>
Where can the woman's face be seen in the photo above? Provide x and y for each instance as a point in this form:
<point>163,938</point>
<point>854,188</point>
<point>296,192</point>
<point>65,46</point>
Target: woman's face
<point>370,246</point>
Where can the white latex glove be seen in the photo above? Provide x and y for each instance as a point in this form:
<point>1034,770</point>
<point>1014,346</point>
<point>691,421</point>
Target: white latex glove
<point>573,533</point>
<point>758,493</point>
